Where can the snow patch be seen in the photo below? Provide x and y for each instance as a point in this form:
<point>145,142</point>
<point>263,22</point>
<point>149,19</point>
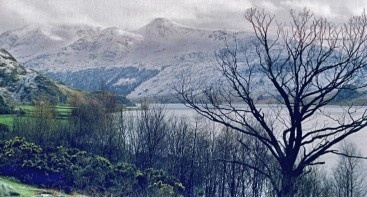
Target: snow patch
<point>125,81</point>
<point>52,36</point>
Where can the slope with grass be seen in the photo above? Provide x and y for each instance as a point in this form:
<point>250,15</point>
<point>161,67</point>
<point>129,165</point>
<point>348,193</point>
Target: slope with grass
<point>14,186</point>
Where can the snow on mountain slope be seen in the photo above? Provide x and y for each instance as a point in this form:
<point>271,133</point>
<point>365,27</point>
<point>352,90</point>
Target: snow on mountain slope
<point>33,40</point>
<point>161,28</point>
<point>146,62</point>
<point>20,84</point>
<point>106,47</point>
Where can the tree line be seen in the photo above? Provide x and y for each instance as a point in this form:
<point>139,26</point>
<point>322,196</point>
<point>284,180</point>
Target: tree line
<point>209,160</point>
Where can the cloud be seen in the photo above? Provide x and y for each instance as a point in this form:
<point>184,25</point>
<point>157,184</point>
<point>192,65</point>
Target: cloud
<point>218,14</point>
<point>320,8</point>
<point>129,14</point>
<point>20,13</point>
<point>269,6</point>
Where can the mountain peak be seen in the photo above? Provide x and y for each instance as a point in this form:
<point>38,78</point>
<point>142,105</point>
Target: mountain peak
<point>162,28</point>
<point>161,22</point>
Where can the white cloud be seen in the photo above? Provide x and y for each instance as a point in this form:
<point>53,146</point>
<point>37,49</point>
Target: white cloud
<point>320,8</point>
<point>134,14</point>
<point>269,6</point>
<point>43,12</point>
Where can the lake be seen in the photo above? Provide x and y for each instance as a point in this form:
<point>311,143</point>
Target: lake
<point>320,119</point>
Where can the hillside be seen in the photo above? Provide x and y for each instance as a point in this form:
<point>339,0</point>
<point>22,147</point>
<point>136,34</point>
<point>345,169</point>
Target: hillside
<point>19,84</point>
<point>12,187</point>
<point>23,85</point>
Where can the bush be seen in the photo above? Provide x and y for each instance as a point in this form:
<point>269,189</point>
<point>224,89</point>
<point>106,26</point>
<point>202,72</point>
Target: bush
<point>123,180</point>
<point>19,153</point>
<point>72,169</point>
<point>93,175</point>
<point>162,184</point>
<point>21,159</point>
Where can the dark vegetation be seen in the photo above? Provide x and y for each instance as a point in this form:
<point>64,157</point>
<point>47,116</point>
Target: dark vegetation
<point>71,169</point>
<point>102,150</point>
<point>79,149</point>
<point>4,108</point>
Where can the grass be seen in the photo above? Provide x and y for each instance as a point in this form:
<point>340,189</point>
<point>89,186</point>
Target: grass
<point>63,112</point>
<point>25,107</point>
<point>58,108</point>
<point>28,190</point>
<point>7,120</point>
<point>24,190</point>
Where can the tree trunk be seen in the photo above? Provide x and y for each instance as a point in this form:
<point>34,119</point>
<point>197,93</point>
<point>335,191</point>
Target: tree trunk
<point>288,186</point>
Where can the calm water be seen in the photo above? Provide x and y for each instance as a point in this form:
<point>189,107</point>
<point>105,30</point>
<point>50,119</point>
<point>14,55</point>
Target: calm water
<point>319,120</point>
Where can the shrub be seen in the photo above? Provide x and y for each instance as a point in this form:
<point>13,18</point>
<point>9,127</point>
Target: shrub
<point>19,153</point>
<point>93,175</point>
<point>21,159</point>
<point>72,169</point>
<point>162,184</point>
<point>123,180</point>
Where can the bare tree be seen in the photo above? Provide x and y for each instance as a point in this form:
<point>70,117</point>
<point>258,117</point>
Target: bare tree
<point>315,183</point>
<point>304,65</point>
<point>152,133</point>
<point>348,175</point>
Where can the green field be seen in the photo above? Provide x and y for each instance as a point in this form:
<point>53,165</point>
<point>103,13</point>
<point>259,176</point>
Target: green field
<point>58,108</point>
<point>7,120</point>
<point>63,112</point>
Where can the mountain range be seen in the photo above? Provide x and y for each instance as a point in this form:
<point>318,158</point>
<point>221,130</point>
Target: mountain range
<point>144,63</point>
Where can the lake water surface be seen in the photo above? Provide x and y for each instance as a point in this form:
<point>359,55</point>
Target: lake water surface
<point>321,119</point>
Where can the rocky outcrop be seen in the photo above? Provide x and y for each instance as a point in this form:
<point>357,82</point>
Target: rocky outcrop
<point>20,84</point>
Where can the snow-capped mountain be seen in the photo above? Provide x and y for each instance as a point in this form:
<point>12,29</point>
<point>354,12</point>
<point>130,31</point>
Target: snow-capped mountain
<point>147,62</point>
<point>34,40</point>
<point>164,29</point>
<point>20,84</point>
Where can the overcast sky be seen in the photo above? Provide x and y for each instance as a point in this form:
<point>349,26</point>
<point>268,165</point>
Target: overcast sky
<point>132,14</point>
